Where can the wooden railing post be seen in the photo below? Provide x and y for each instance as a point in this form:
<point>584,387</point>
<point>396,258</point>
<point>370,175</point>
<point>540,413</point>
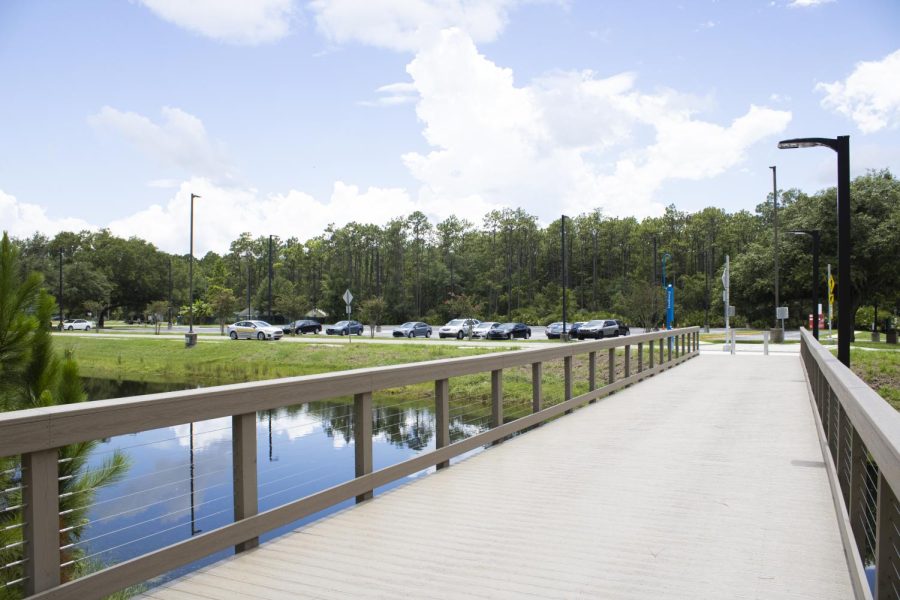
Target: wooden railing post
<point>442,417</point>
<point>640,356</point>
<point>670,341</point>
<point>651,353</point>
<point>567,380</point>
<point>362,438</point>
<point>40,479</point>
<point>243,463</point>
<point>592,373</point>
<point>627,361</point>
<point>612,365</point>
<point>661,350</point>
<point>887,541</point>
<point>537,389</point>
<point>496,398</point>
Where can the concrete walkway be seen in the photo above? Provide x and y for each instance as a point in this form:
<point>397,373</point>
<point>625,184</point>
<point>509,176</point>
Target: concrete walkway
<point>706,481</point>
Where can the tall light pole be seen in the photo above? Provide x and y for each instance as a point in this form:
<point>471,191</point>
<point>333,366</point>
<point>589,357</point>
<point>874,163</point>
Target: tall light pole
<point>841,145</point>
<point>61,319</point>
<point>450,252</point>
<point>815,235</point>
<point>249,311</point>
<point>562,245</point>
<point>270,278</point>
<point>775,219</point>
<point>191,268</point>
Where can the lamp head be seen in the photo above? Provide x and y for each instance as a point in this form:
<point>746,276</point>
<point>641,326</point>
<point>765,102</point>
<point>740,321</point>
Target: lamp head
<point>807,143</point>
<point>194,196</point>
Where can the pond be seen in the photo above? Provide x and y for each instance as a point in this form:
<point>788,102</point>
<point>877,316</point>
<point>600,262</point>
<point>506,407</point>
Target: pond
<point>179,482</point>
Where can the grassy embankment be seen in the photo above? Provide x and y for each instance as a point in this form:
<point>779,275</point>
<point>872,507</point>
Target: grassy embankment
<point>881,370</point>
<point>161,360</point>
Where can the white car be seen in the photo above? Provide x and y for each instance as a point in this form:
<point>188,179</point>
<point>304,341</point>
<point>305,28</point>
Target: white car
<point>481,330</point>
<point>458,328</point>
<point>78,324</point>
<point>254,329</point>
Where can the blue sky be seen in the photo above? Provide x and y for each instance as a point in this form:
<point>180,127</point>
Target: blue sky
<point>287,115</point>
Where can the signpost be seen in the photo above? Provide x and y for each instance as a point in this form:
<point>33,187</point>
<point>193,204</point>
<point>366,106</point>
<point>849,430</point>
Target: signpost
<point>830,299</point>
<point>348,300</point>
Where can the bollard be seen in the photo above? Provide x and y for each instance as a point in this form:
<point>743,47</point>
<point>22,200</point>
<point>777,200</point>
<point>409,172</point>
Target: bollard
<point>765,343</point>
<point>733,341</point>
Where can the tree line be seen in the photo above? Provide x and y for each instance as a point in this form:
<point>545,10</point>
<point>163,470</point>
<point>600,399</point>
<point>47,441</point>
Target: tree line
<point>506,267</point>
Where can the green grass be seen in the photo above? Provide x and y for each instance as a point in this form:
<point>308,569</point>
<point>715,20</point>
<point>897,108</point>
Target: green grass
<point>211,363</point>
<point>881,370</point>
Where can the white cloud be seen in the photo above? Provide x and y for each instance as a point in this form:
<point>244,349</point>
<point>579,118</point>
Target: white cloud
<point>409,24</point>
<point>224,212</point>
<point>21,219</point>
<point>180,140</point>
<point>245,22</point>
<point>394,94</point>
<point>870,95</point>
<point>807,3</point>
<point>568,141</point>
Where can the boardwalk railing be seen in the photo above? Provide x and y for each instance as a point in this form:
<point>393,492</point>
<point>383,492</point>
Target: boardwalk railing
<point>862,432</point>
<point>36,435</point>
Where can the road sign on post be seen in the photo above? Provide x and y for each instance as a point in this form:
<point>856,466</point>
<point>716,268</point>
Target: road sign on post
<point>348,300</point>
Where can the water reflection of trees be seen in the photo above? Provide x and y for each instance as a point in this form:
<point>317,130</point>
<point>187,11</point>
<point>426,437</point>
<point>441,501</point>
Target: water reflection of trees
<point>399,423</point>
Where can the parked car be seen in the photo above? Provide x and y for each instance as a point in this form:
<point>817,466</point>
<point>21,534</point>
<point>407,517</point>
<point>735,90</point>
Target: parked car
<point>412,329</point>
<point>623,328</point>
<point>303,326</point>
<point>508,331</point>
<point>573,332</point>
<point>554,330</point>
<point>259,330</point>
<point>458,328</point>
<point>481,330</point>
<point>598,329</point>
<point>345,328</point>
<point>78,324</point>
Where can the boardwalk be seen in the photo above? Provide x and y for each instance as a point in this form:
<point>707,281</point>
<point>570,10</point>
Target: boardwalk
<point>668,489</point>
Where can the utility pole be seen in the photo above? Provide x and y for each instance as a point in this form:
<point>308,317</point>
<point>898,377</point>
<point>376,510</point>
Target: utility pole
<point>706,261</point>
<point>249,311</point>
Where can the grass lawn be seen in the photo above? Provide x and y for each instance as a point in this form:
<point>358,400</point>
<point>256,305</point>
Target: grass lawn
<point>164,360</point>
<point>881,370</point>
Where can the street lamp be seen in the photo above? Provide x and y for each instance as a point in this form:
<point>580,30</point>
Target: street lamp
<point>562,245</point>
<point>841,145</point>
<point>191,268</point>
<point>815,235</point>
<point>775,220</point>
<point>451,253</point>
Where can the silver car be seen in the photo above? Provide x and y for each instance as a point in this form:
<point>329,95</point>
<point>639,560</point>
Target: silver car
<point>481,330</point>
<point>259,330</point>
<point>598,329</point>
<point>458,328</point>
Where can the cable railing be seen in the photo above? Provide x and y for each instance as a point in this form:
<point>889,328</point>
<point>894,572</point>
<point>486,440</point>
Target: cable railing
<point>860,433</point>
<point>479,416</point>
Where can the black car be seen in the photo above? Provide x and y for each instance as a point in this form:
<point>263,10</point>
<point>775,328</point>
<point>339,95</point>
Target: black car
<point>508,331</point>
<point>303,326</point>
<point>345,328</point>
<point>413,329</point>
<point>573,332</point>
<point>623,328</point>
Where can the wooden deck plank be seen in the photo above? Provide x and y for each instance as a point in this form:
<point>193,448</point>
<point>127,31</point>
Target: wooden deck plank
<point>706,481</point>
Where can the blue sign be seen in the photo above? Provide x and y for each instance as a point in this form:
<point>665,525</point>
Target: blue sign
<point>670,306</point>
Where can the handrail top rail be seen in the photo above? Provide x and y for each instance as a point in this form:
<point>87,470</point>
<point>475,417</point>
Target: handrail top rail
<point>876,421</point>
<point>43,428</point>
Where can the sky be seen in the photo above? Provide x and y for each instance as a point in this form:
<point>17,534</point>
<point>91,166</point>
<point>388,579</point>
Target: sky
<point>286,116</point>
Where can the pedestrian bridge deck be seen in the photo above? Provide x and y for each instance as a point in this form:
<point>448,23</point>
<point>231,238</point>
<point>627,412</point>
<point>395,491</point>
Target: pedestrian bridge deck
<point>705,481</point>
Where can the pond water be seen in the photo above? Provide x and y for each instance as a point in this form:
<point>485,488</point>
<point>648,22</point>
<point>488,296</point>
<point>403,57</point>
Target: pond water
<point>179,481</point>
